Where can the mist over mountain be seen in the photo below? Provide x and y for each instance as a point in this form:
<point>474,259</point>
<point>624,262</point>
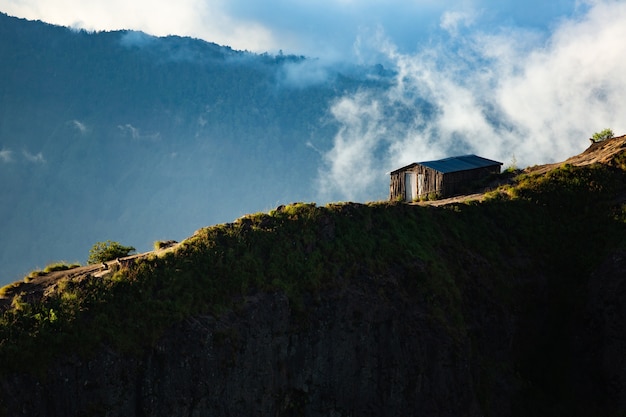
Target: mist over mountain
<point>124,136</point>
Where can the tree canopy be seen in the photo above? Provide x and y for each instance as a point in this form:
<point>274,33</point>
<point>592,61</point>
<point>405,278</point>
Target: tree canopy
<point>602,135</point>
<point>107,251</point>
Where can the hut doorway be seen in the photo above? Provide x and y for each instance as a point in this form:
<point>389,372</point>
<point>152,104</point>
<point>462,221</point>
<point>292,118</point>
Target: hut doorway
<point>410,186</point>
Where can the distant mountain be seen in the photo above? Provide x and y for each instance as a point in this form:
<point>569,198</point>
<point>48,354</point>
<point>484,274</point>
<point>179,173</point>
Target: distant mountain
<point>124,136</point>
<point>511,306</point>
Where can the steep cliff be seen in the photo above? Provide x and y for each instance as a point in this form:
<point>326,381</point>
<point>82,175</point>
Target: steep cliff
<point>510,306</point>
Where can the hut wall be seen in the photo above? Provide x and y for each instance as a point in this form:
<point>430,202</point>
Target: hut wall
<point>435,182</point>
<point>396,185</point>
<point>432,182</point>
<point>460,181</point>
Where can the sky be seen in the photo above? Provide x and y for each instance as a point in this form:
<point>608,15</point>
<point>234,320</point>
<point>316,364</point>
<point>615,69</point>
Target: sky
<point>521,82</point>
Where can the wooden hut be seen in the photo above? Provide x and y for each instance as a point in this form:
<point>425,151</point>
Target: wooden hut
<point>441,178</point>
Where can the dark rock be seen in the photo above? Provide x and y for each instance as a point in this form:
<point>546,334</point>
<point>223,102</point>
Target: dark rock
<point>355,353</point>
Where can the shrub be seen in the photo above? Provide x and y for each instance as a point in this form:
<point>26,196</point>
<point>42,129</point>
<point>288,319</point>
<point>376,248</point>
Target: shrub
<point>60,266</point>
<point>35,273</point>
<point>433,196</point>
<point>9,289</point>
<point>107,251</point>
<point>602,135</point>
<point>164,244</point>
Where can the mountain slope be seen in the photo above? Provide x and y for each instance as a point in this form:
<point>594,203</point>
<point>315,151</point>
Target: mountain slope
<point>506,307</point>
<point>132,138</point>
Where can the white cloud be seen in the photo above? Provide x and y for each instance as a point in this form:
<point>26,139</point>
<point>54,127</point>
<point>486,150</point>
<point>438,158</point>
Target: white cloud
<point>499,95</point>
<point>452,21</point>
<point>307,72</point>
<point>34,158</point>
<point>79,126</point>
<point>137,134</point>
<point>137,38</point>
<point>6,155</point>
<point>352,161</point>
<point>129,129</point>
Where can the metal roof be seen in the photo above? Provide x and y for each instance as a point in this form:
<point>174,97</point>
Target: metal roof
<point>459,163</point>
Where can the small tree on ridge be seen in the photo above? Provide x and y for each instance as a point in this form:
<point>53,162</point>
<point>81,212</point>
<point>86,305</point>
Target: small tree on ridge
<point>602,135</point>
<point>107,251</point>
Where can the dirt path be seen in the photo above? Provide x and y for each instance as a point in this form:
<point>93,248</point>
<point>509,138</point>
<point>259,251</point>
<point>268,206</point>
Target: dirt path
<point>36,287</point>
<point>452,200</point>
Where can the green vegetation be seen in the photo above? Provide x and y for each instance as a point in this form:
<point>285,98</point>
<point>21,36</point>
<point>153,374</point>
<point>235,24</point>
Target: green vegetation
<point>513,166</point>
<point>162,244</point>
<point>107,251</point>
<point>602,135</point>
<point>430,196</point>
<point>10,288</point>
<point>558,226</point>
<point>53,267</point>
<point>60,266</point>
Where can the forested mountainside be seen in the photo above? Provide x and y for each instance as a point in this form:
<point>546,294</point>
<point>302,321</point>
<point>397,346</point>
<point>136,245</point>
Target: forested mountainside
<point>137,138</point>
<point>509,306</point>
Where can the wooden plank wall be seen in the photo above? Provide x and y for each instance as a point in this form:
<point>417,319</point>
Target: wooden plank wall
<point>435,182</point>
<point>396,185</point>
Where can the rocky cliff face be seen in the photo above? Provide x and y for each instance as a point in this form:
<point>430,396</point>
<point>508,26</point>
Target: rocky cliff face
<point>361,350</point>
<point>355,352</point>
<point>602,347</point>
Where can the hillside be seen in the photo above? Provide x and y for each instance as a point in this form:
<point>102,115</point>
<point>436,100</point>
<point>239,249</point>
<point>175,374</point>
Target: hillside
<point>605,152</point>
<point>137,138</point>
<point>509,306</point>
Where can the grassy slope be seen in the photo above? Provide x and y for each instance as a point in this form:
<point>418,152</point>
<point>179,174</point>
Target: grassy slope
<point>556,226</point>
